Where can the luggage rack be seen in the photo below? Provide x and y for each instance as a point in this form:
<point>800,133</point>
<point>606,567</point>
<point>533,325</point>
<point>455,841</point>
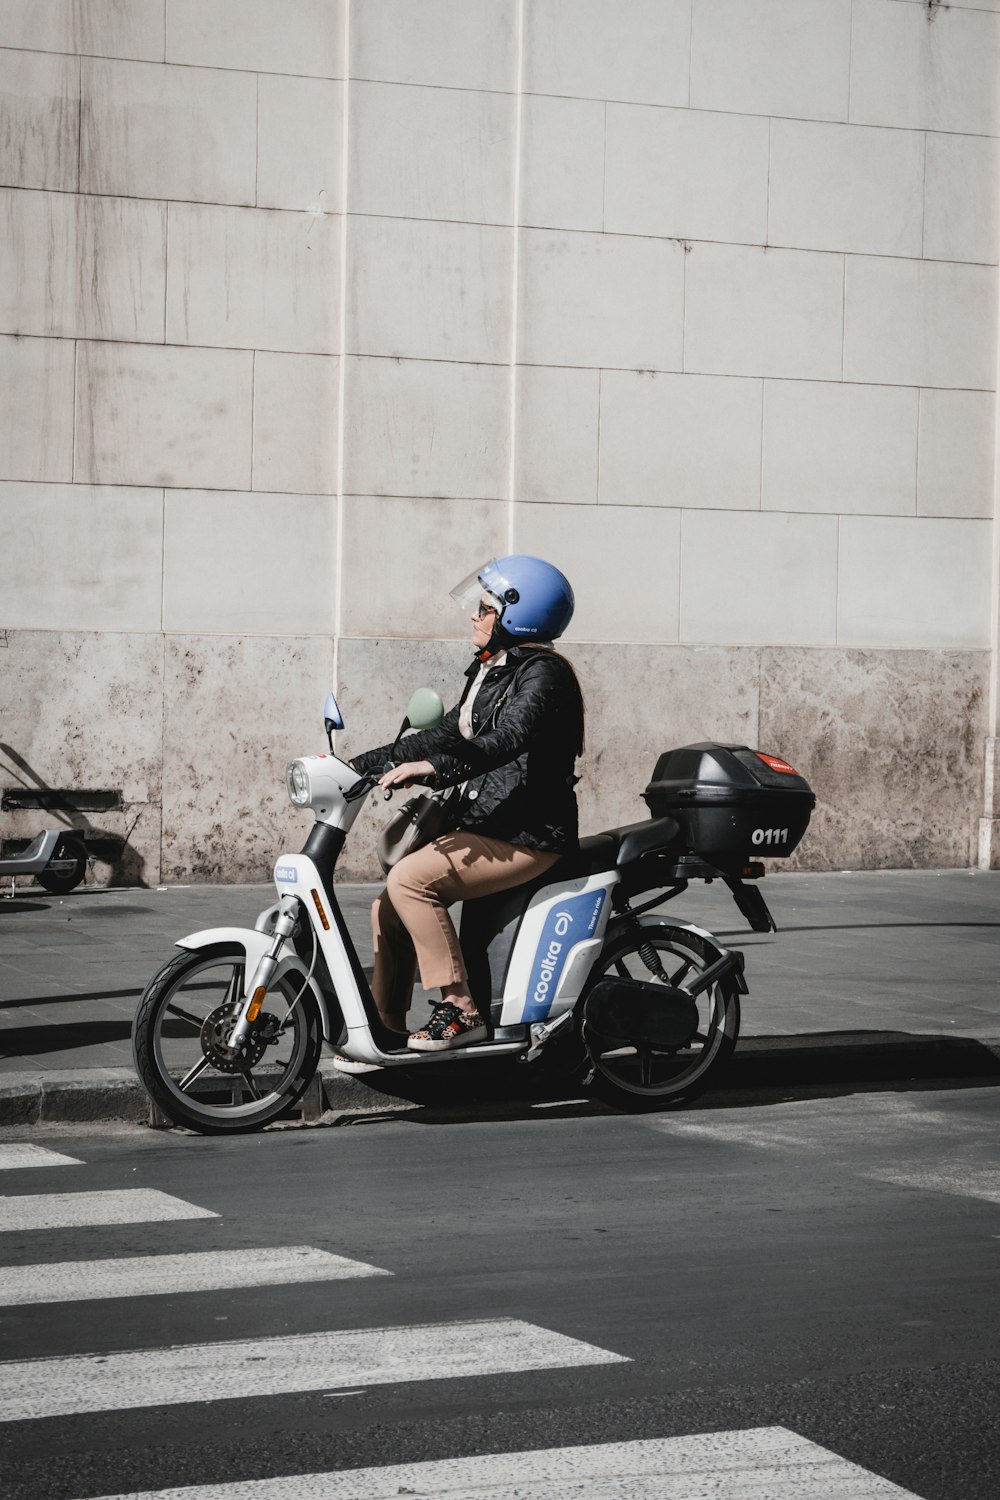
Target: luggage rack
<point>672,873</point>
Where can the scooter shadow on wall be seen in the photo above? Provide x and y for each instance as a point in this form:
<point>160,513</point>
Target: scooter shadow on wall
<point>71,809</point>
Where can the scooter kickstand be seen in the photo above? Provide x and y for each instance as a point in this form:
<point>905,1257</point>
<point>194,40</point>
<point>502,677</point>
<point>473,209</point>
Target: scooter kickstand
<point>543,1032</point>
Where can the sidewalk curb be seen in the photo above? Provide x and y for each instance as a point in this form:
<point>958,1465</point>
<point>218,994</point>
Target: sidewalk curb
<point>96,1095</point>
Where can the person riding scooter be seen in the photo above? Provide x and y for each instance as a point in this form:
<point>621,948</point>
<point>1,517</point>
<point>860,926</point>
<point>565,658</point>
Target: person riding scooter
<point>511,744</point>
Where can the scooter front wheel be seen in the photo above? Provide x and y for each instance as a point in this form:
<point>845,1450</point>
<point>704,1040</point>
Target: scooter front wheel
<point>180,1035</point>
<point>636,1077</point>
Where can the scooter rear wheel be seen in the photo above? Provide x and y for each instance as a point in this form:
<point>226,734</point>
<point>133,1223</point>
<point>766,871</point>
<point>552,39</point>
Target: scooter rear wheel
<point>637,1078</point>
<point>65,869</point>
<point>179,1044</point>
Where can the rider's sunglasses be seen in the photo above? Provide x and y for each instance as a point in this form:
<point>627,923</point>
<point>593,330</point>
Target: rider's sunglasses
<point>486,608</point>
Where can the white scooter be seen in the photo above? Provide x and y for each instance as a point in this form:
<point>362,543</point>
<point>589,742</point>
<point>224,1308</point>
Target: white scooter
<point>57,861</point>
<point>229,1033</point>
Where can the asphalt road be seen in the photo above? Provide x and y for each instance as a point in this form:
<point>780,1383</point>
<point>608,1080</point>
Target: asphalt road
<point>827,1266</point>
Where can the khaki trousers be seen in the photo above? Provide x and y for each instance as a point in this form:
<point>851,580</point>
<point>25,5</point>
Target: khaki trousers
<point>410,921</point>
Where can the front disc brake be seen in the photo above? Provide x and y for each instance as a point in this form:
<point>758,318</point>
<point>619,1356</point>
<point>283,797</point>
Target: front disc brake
<point>216,1030</point>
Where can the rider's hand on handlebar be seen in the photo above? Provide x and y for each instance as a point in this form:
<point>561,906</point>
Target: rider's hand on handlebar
<point>408,773</point>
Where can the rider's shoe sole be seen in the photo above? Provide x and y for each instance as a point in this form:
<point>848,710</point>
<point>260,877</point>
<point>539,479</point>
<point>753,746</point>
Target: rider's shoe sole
<point>477,1034</point>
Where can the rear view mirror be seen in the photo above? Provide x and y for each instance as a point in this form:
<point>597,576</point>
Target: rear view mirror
<point>332,718</point>
<point>425,709</point>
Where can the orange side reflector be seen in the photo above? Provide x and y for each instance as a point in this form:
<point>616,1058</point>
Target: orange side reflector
<point>256,1002</point>
<point>319,908</point>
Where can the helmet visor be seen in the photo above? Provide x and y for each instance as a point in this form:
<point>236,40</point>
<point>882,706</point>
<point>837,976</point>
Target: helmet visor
<point>486,582</point>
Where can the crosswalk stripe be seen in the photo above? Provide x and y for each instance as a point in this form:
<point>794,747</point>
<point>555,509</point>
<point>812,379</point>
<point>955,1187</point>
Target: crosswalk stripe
<point>75,1210</point>
<point>274,1366</point>
<point>961,1182</point>
<point>22,1154</point>
<point>764,1463</point>
<point>156,1275</point>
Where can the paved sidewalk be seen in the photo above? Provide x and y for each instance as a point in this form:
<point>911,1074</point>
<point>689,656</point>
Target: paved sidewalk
<point>882,973</point>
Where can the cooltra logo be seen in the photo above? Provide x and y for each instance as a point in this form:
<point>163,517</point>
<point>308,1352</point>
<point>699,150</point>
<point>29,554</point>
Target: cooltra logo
<point>287,873</point>
<point>569,924</point>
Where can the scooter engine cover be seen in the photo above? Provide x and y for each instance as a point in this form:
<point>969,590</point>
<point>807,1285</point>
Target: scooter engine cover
<point>641,1012</point>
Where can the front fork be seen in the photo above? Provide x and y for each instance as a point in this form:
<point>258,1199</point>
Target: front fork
<point>285,924</point>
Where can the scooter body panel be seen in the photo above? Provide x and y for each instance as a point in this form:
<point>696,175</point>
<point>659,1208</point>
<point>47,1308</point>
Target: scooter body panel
<point>560,935</point>
<point>35,857</point>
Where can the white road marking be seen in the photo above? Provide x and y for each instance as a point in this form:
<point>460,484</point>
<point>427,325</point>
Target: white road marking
<point>156,1275</point>
<point>33,1156</point>
<point>74,1210</point>
<point>273,1366</point>
<point>763,1463</point>
<point>961,1182</point>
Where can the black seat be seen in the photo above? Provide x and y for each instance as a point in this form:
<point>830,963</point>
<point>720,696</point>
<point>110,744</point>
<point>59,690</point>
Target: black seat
<point>617,847</point>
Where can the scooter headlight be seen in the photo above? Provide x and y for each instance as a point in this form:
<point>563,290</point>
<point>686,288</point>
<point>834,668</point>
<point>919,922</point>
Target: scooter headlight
<point>297,782</point>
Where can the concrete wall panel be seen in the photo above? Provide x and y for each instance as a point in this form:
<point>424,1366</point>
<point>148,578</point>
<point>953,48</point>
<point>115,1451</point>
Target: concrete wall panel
<point>914,582</point>
<point>297,36</point>
<point>295,398</point>
<point>81,267</point>
<point>458,44</point>
<point>591,300</point>
<point>431,153</point>
<point>955,473</point>
<point>40,121</point>
<point>839,448</point>
<point>105,28</point>
<point>920,323</point>
<point>890,741</point>
<point>69,573</point>
<point>680,440</point>
<point>562,162</point>
<point>163,415</point>
<point>636,50</point>
<point>846,187</point>
<point>925,69</point>
<point>36,416</point>
<point>428,290</point>
<point>300,144</point>
<point>237,563</point>
<point>763,312</point>
<point>687,174</point>
<point>426,428</point>
<point>642,700</point>
<point>253,279</point>
<point>150,131</point>
<point>759,579</point>
<point>961,221</point>
<point>557,427</point>
<point>235,712</point>
<point>772,57</point>
<point>407,555</point>
<point>623,562</point>
<point>55,691</point>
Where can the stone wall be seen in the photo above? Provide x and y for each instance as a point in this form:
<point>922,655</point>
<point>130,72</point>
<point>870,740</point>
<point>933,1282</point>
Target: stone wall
<point>308,306</point>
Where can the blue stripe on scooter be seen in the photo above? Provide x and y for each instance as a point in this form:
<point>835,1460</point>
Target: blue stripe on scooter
<point>569,923</point>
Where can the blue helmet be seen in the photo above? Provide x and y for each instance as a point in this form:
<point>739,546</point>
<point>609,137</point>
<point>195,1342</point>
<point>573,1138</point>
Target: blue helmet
<point>534,600</point>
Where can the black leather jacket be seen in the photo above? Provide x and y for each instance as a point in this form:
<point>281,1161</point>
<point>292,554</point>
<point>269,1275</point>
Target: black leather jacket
<point>528,722</point>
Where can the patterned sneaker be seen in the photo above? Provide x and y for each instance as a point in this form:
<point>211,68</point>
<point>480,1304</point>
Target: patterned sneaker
<point>448,1027</point>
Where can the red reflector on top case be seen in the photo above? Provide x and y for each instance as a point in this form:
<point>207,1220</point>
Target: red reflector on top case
<point>776,764</point>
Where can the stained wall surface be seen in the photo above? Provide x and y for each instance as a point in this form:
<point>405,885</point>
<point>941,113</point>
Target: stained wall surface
<point>308,306</point>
